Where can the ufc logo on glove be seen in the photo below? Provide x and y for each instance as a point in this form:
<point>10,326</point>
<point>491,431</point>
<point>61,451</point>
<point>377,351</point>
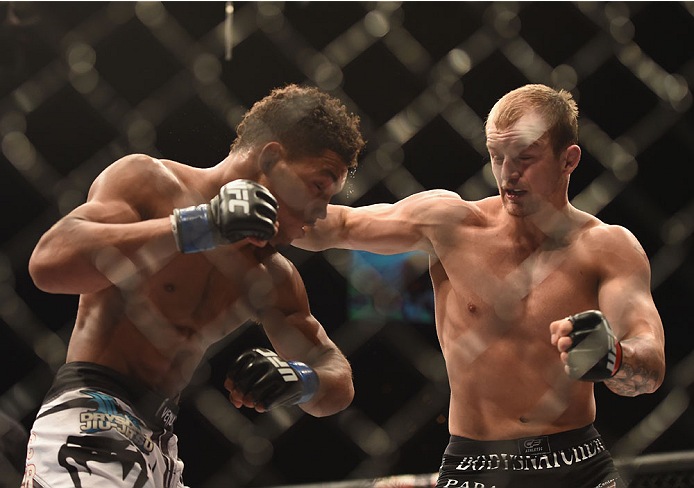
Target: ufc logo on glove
<point>240,200</point>
<point>282,366</point>
<point>243,208</point>
<point>270,380</point>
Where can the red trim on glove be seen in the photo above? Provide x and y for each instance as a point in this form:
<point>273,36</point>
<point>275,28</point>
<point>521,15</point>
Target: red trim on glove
<point>618,359</point>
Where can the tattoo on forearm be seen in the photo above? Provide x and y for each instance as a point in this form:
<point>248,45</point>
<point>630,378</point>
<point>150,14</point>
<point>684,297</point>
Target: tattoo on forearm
<point>636,375</point>
<point>633,379</point>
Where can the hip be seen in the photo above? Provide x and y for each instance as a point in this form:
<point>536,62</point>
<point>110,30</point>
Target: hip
<point>577,458</point>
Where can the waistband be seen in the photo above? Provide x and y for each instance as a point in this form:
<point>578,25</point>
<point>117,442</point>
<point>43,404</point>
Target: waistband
<point>544,444</point>
<point>157,411</point>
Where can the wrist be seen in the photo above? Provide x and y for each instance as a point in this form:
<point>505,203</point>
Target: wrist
<point>309,380</point>
<point>192,230</point>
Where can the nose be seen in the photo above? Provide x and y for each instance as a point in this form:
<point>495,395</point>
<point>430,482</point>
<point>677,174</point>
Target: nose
<point>322,212</point>
<point>317,211</point>
<point>510,170</point>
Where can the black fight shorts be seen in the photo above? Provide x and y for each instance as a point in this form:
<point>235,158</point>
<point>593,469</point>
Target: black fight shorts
<point>573,459</point>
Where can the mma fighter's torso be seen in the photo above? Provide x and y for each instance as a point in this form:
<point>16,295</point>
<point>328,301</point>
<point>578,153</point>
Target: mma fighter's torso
<point>157,326</point>
<point>496,294</point>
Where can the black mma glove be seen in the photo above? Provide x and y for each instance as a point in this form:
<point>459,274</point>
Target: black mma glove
<point>271,381</point>
<point>595,353</point>
<point>242,209</point>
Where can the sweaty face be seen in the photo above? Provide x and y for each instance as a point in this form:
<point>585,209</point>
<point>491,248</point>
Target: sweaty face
<point>303,188</point>
<point>525,167</point>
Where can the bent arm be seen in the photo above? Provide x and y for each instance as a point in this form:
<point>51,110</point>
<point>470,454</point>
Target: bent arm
<point>336,389</point>
<point>296,335</point>
<point>382,228</point>
<point>624,296</point>
<point>103,241</point>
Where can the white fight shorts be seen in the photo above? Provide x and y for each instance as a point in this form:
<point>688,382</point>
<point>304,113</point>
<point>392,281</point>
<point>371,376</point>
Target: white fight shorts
<point>98,428</point>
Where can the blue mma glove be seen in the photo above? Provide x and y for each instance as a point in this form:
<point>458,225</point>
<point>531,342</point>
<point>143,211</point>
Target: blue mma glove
<point>242,209</point>
<point>271,381</point>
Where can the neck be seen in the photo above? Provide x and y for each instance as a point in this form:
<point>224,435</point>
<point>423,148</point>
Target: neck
<point>237,165</point>
<point>549,222</point>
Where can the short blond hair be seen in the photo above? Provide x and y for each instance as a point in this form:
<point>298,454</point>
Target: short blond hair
<point>556,107</point>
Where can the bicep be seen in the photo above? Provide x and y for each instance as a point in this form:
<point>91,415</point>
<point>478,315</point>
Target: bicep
<point>113,211</point>
<point>66,258</point>
<point>118,194</point>
<point>625,298</point>
<point>288,323</point>
<point>100,208</point>
<point>385,229</point>
<point>403,226</point>
<point>105,204</point>
<point>624,292</point>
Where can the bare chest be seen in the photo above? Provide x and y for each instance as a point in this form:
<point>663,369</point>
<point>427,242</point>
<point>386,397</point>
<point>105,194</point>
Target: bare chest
<point>208,296</point>
<point>503,291</point>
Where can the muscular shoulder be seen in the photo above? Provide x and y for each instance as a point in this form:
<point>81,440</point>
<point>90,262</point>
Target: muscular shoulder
<point>612,246</point>
<point>436,198</point>
<point>143,182</point>
<point>289,290</point>
<point>599,235</point>
<point>136,171</point>
<point>442,206</point>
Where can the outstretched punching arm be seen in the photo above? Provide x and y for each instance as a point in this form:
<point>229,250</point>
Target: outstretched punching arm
<point>629,317</point>
<point>382,228</point>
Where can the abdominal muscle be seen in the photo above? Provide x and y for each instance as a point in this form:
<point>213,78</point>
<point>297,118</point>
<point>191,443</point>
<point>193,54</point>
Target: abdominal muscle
<point>511,391</point>
<point>147,337</point>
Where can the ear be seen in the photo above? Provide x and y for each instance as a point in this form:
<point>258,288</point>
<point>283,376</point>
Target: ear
<point>571,159</point>
<point>269,155</point>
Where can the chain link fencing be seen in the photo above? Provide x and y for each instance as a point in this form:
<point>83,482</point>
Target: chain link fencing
<point>84,83</point>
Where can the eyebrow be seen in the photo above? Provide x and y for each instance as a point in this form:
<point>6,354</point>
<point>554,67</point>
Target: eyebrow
<point>331,174</point>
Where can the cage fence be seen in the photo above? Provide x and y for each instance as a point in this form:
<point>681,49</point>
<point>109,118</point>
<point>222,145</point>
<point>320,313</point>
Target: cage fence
<point>84,83</point>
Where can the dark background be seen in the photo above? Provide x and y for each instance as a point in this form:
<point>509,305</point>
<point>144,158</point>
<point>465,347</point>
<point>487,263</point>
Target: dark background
<point>82,84</point>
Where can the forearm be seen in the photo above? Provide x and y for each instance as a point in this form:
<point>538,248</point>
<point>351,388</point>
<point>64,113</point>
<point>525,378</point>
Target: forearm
<point>380,229</point>
<point>77,256</point>
<point>642,369</point>
<point>336,389</point>
<point>326,234</point>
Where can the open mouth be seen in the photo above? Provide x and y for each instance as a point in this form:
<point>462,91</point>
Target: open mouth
<point>513,193</point>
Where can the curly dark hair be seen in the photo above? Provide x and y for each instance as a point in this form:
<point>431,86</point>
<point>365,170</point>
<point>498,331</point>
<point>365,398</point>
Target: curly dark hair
<point>305,121</point>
